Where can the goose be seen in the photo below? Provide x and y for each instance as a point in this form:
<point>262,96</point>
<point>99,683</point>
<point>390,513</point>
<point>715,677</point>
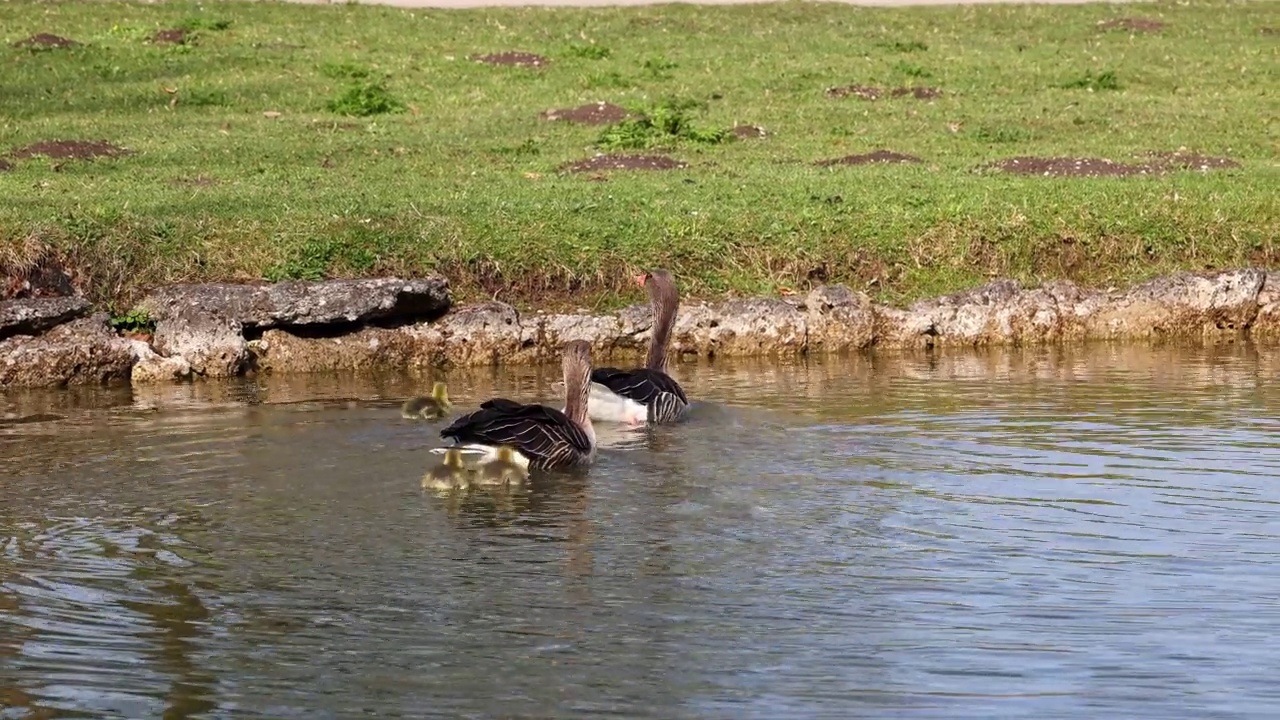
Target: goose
<point>433,407</point>
<point>543,438</point>
<point>502,469</point>
<point>646,394</point>
<point>450,473</point>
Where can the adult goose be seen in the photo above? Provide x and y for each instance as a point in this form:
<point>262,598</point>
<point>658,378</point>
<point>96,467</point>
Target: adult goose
<point>646,394</point>
<point>543,438</point>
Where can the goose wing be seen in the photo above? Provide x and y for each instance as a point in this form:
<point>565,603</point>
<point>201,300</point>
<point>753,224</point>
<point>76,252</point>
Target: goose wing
<point>641,384</point>
<point>544,435</point>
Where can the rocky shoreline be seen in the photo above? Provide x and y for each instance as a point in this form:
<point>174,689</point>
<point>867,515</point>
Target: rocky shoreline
<point>225,330</point>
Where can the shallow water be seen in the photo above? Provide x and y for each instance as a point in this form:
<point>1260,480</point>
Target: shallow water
<point>1049,533</point>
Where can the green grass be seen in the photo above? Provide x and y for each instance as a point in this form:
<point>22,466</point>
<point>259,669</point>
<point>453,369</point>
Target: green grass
<point>393,153</point>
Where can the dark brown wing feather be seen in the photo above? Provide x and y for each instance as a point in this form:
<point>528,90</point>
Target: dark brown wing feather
<point>544,435</point>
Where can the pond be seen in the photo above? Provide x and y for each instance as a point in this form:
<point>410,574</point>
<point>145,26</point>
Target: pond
<point>1086,532</point>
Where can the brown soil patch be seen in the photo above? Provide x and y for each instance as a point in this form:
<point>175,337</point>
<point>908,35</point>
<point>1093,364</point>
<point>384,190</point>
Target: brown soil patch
<point>623,162</point>
<point>748,132</point>
<point>601,113</point>
<point>512,58</point>
<point>879,156</point>
<point>174,36</point>
<point>1071,167</point>
<point>865,92</point>
<point>1132,24</point>
<point>1180,160</point>
<point>43,276</point>
<point>919,93</point>
<point>197,181</point>
<point>70,150</point>
<point>1270,31</point>
<point>45,40</point>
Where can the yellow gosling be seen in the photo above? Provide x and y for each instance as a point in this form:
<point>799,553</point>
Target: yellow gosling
<point>503,468</point>
<point>428,408</point>
<point>451,473</point>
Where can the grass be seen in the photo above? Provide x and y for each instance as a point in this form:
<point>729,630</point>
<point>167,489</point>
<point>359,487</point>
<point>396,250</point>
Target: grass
<point>336,140</point>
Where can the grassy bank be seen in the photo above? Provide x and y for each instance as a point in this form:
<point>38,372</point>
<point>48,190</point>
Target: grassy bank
<point>253,156</point>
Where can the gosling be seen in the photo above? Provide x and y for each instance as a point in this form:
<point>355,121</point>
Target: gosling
<point>449,474</point>
<point>428,408</point>
<point>503,468</point>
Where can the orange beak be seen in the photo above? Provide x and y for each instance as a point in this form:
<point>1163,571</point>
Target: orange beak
<point>639,279</point>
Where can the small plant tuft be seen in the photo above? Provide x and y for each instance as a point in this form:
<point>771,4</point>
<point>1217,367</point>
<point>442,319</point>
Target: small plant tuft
<point>587,51</point>
<point>365,99</point>
<point>135,320</point>
<point>345,71</point>
<point>1105,80</point>
<point>910,70</point>
<point>666,123</point>
<point>659,68</point>
<point>193,24</point>
<point>909,46</point>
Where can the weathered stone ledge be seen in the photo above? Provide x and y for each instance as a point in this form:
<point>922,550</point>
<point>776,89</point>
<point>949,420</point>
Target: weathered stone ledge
<point>223,330</point>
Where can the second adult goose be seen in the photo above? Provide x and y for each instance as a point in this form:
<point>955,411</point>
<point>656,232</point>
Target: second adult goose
<point>543,437</point>
<point>646,394</point>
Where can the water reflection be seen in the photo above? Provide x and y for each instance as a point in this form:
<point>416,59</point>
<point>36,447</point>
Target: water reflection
<point>1041,532</point>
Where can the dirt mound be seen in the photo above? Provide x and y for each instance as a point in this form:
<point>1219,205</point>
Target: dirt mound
<point>173,36</point>
<point>1132,24</point>
<point>70,150</point>
<point>590,114</point>
<point>45,40</point>
<point>748,132</point>
<point>919,93</point>
<point>1071,167</point>
<point>623,162</point>
<point>512,58</point>
<point>1180,160</point>
<point>879,156</point>
<point>866,92</point>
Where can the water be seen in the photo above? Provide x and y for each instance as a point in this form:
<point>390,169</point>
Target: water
<point>1028,534</point>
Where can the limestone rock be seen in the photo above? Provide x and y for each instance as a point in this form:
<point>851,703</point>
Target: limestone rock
<point>838,319</point>
<point>80,352</point>
<point>285,304</point>
<point>1267,322</point>
<point>760,326</point>
<point>489,333</point>
<point>1186,305</point>
<point>150,368</point>
<point>33,316</point>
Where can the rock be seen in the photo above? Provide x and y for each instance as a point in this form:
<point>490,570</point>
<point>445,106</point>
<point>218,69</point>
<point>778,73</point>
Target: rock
<point>604,332</point>
<point>150,368</point>
<point>365,350</point>
<point>489,333</point>
<point>996,313</point>
<point>211,345</point>
<point>1186,305</point>
<point>838,319</point>
<point>1267,322</point>
<point>205,323</point>
<point>80,352</point>
<point>35,315</point>
<point>760,326</point>
<point>299,303</point>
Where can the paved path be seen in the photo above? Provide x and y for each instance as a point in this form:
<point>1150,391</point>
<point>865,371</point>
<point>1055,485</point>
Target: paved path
<point>601,3</point>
